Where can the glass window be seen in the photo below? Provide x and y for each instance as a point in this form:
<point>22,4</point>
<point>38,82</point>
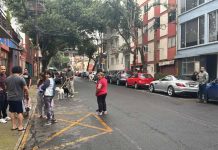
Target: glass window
<point>192,33</point>
<point>201,1</point>
<point>172,16</point>
<point>188,66</point>
<point>213,26</point>
<point>201,30</point>
<point>146,8</point>
<point>191,4</point>
<point>183,35</point>
<point>182,6</point>
<point>157,23</point>
<point>171,42</point>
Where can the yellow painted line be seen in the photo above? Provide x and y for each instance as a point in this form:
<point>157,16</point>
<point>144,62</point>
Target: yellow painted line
<point>63,130</point>
<point>94,127</point>
<point>85,125</point>
<point>76,141</point>
<point>74,113</point>
<point>25,137</point>
<point>103,123</point>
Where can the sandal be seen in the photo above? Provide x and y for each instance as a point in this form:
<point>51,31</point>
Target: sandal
<point>22,129</point>
<point>14,129</point>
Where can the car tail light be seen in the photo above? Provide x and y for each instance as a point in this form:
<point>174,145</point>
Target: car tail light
<point>180,84</point>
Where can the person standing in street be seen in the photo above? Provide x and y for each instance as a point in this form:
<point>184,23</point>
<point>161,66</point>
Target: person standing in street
<point>40,93</point>
<point>16,87</point>
<point>203,79</point>
<point>3,96</point>
<point>49,92</point>
<point>101,93</point>
<point>70,81</point>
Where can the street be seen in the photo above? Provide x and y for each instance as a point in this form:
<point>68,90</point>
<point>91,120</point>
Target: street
<point>137,120</point>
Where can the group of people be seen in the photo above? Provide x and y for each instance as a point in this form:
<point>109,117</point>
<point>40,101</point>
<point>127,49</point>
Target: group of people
<point>13,90</point>
<point>202,77</point>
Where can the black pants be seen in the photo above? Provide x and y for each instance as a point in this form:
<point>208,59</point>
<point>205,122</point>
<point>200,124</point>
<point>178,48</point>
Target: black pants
<point>201,91</point>
<point>101,102</point>
<point>3,105</point>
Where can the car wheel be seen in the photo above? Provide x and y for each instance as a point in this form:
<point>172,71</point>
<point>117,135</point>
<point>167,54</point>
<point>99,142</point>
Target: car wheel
<point>127,85</point>
<point>136,86</point>
<point>151,88</point>
<point>118,82</point>
<point>170,91</point>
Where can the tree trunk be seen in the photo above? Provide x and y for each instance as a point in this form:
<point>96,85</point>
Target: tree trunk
<point>93,69</point>
<point>45,63</point>
<point>87,69</point>
<point>143,59</point>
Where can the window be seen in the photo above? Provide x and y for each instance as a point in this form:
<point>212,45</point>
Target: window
<point>189,4</point>
<point>171,42</point>
<point>213,26</point>
<point>172,16</point>
<point>157,23</point>
<point>192,32</point>
<point>146,8</point>
<point>112,61</point>
<point>145,48</point>
<point>188,66</point>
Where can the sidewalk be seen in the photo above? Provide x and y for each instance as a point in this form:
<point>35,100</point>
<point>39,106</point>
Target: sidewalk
<point>10,140</point>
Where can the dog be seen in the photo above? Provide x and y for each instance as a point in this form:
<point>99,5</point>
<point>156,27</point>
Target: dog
<point>60,93</point>
<point>66,91</point>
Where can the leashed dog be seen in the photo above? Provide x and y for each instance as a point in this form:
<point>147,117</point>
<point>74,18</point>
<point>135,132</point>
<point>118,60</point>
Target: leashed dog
<point>60,92</point>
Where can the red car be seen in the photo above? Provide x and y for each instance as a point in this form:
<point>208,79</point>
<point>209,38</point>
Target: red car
<point>139,80</point>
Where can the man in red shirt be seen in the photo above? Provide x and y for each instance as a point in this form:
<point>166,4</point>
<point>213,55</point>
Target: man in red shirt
<point>101,93</point>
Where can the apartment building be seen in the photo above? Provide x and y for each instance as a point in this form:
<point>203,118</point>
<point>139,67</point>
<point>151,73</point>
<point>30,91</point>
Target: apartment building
<point>197,36</point>
<point>158,38</point>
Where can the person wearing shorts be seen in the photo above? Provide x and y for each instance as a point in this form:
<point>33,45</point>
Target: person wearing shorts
<point>16,87</point>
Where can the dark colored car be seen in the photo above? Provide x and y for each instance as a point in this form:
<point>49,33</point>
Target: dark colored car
<point>211,91</point>
<point>139,80</point>
<point>120,77</point>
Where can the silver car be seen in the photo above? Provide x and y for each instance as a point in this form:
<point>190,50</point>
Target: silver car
<point>172,86</point>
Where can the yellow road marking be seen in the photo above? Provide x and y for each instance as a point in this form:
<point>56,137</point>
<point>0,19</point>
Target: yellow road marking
<point>25,137</point>
<point>106,129</point>
<point>103,123</point>
<point>77,141</point>
<point>62,131</point>
<point>85,125</point>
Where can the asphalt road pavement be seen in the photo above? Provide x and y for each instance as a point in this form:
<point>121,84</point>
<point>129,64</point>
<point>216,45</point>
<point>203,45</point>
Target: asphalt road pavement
<point>137,120</point>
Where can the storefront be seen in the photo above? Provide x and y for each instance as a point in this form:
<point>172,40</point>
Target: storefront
<point>4,56</point>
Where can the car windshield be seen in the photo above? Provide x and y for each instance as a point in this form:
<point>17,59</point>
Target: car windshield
<point>145,76</point>
<point>182,78</point>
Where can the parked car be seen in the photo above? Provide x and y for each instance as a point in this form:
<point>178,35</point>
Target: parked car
<point>139,80</point>
<point>211,91</point>
<point>119,77</point>
<point>108,75</point>
<point>172,85</point>
<point>85,75</point>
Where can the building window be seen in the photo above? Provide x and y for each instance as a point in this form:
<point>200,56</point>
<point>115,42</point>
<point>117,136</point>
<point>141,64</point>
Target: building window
<point>188,66</point>
<point>192,32</point>
<point>157,23</point>
<point>112,61</point>
<point>145,48</point>
<point>172,16</point>
<point>213,26</point>
<point>171,42</point>
<point>189,4</point>
<point>146,8</point>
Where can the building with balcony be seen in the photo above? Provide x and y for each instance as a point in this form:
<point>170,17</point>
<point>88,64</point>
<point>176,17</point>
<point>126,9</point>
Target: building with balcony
<point>197,36</point>
<point>158,36</point>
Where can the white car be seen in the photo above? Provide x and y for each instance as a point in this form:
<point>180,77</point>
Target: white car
<point>172,86</point>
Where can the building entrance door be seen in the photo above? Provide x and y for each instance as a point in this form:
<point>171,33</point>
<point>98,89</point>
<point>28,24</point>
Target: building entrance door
<point>211,65</point>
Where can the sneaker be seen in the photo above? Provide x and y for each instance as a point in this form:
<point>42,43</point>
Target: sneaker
<point>7,118</point>
<point>72,96</point>
<point>105,112</point>
<point>3,121</point>
<point>48,123</point>
<point>100,113</point>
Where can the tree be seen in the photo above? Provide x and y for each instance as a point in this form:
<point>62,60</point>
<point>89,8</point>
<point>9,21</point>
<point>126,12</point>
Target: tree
<point>61,25</point>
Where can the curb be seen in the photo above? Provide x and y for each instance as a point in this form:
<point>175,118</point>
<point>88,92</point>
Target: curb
<point>19,142</point>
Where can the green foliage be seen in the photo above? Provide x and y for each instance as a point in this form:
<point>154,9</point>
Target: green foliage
<point>63,24</point>
<point>59,60</point>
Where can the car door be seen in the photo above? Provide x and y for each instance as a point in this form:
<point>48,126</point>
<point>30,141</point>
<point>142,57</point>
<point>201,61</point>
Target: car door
<point>158,84</point>
<point>165,83</point>
<point>213,90</point>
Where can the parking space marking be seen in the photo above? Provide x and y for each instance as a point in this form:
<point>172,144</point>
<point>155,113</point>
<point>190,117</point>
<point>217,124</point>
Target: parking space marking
<point>25,138</point>
<point>104,130</point>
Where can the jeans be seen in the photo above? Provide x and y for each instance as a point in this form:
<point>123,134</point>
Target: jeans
<point>3,105</point>
<point>48,107</point>
<point>70,86</point>
<point>102,103</point>
<point>40,103</point>
<point>201,91</point>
